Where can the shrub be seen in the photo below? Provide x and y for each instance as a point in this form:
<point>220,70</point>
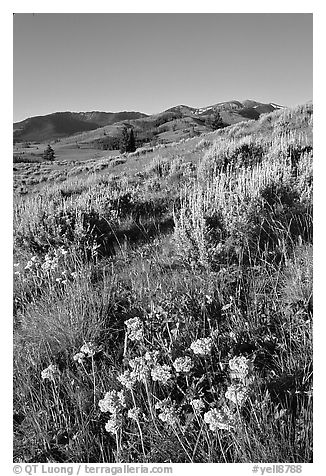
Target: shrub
<point>225,154</point>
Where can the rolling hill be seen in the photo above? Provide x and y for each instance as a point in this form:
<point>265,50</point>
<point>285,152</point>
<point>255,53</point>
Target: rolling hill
<point>64,124</point>
<point>101,130</point>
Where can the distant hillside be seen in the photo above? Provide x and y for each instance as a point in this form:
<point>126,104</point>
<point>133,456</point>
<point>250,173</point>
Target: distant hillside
<point>64,124</point>
<point>102,130</point>
<point>246,109</point>
<point>178,122</point>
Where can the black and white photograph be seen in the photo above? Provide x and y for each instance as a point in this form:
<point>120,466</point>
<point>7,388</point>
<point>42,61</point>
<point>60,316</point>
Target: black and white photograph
<point>162,240</point>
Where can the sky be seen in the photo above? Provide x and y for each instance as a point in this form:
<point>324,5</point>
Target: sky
<point>150,62</point>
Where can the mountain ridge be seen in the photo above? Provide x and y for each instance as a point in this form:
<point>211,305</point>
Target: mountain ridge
<point>64,124</point>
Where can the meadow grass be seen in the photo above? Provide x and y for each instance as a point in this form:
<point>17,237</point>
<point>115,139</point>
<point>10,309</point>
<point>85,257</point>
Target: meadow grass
<point>163,312</point>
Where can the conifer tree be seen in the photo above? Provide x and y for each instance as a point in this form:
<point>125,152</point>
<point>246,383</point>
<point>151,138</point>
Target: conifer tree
<point>49,153</point>
<point>124,141</point>
<point>127,142</point>
<point>131,142</point>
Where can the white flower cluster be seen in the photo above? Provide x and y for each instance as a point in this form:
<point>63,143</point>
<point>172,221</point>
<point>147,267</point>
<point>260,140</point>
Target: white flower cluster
<point>113,402</point>
<point>134,329</point>
<point>50,266</point>
<point>151,357</point>
<point>168,412</point>
<point>144,367</point>
<point>89,349</point>
<point>238,394</point>
<point>32,263</point>
<point>79,357</point>
<point>134,413</point>
<point>197,404</point>
<point>222,419</point>
<point>202,346</point>
<point>51,260</point>
<point>240,368</point>
<point>161,373</point>
<point>50,263</point>
<point>50,372</point>
<point>113,424</point>
<point>183,364</point>
<point>127,379</point>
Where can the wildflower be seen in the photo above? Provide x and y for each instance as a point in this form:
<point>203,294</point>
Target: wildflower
<point>221,419</point>
<point>29,265</point>
<point>161,404</point>
<point>151,357</point>
<point>46,265</point>
<point>161,373</point>
<point>113,424</point>
<point>134,329</point>
<point>238,394</point>
<point>89,349</point>
<point>140,368</point>
<point>215,332</point>
<point>122,398</point>
<point>79,357</point>
<point>232,335</point>
<point>112,402</point>
<point>202,346</point>
<point>50,372</point>
<point>208,298</point>
<point>95,247</point>
<point>168,413</point>
<point>134,413</point>
<point>240,368</point>
<point>183,364</point>
<point>127,379</point>
<point>50,263</point>
<point>169,416</point>
<point>197,404</point>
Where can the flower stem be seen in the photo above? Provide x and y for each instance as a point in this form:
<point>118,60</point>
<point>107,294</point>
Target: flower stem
<point>138,424</point>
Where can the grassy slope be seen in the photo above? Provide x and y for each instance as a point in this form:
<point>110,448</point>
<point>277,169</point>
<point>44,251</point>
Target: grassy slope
<point>210,237</point>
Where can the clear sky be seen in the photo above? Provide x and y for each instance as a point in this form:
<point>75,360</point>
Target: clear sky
<point>150,62</point>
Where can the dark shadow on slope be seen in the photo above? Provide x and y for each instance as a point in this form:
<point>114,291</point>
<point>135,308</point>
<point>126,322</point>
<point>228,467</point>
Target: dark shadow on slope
<point>112,241</point>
